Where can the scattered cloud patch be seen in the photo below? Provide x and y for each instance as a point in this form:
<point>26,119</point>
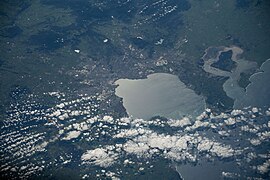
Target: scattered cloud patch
<point>100,156</point>
<point>72,135</point>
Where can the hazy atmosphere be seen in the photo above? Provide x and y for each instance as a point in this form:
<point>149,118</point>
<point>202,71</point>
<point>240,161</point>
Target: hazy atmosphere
<point>135,89</point>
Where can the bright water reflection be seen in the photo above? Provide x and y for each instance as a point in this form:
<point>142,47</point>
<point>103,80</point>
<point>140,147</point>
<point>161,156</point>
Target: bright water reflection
<point>160,94</point>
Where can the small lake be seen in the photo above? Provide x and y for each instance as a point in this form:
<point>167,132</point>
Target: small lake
<point>161,94</point>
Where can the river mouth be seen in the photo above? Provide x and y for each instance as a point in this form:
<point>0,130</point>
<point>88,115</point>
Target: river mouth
<point>161,94</point>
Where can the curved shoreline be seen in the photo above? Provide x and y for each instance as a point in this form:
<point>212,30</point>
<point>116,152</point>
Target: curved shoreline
<point>231,86</point>
<point>160,94</point>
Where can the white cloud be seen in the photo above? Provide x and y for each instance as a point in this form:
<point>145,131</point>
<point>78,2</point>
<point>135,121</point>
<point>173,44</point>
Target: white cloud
<point>255,110</point>
<point>161,141</point>
<point>198,124</point>
<point>143,140</point>
<point>255,142</point>
<point>264,168</point>
<point>179,123</point>
<point>63,116</point>
<point>236,112</point>
<point>127,133</point>
<point>202,116</point>
<point>222,150</point>
<point>100,157</point>
<point>140,149</point>
<point>230,121</point>
<point>108,119</point>
<point>76,50</point>
<point>267,112</point>
<point>205,145</point>
<point>56,113</point>
<point>72,135</point>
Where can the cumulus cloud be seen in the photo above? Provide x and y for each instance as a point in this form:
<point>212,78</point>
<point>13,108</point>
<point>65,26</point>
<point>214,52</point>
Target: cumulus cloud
<point>100,157</point>
<point>183,140</point>
<point>255,142</point>
<point>179,123</point>
<point>230,121</point>
<point>72,135</point>
<point>264,168</point>
<point>129,133</point>
<point>222,151</point>
<point>198,124</point>
<point>140,149</point>
<point>205,145</point>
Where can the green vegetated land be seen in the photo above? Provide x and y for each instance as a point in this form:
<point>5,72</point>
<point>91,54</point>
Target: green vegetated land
<point>38,39</point>
<point>223,23</point>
